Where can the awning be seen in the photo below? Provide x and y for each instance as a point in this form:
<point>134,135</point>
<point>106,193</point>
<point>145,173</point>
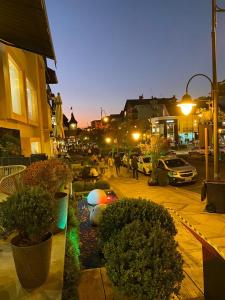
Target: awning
<point>50,75</point>
<point>24,24</point>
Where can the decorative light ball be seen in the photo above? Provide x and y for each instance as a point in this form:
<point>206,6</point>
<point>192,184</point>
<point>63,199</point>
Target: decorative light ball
<point>97,196</point>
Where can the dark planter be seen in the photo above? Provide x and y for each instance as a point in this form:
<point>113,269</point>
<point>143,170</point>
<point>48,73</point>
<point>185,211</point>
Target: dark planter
<point>61,201</point>
<point>215,191</point>
<point>32,262</point>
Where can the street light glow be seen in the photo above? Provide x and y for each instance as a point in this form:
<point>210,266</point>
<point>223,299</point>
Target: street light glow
<point>136,136</point>
<point>105,119</point>
<point>186,104</point>
<point>108,140</point>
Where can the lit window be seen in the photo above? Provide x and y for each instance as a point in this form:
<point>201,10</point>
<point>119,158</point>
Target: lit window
<point>14,75</point>
<point>31,101</point>
<point>35,147</point>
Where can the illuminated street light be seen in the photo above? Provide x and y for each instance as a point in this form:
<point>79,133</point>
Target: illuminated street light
<point>186,104</point>
<point>105,119</point>
<point>136,136</point>
<point>108,140</point>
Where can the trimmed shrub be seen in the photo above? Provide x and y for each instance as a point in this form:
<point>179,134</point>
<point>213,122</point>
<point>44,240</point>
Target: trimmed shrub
<point>71,263</point>
<point>142,261</point>
<point>78,186</point>
<point>102,185</point>
<point>89,186</point>
<point>125,211</point>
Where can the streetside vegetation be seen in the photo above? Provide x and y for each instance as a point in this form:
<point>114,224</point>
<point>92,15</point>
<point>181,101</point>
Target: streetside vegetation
<point>72,252</point>
<point>50,174</point>
<point>82,186</point>
<point>125,211</point>
<point>142,260</point>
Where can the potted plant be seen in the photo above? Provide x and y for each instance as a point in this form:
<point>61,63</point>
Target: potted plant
<point>30,213</point>
<point>51,175</point>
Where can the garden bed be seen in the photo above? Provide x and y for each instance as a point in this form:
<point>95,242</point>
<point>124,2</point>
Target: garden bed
<point>90,254</point>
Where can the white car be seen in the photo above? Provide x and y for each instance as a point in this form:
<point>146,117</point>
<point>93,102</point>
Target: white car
<point>145,164</point>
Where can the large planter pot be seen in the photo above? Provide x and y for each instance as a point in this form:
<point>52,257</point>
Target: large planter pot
<point>215,191</point>
<point>61,201</point>
<point>32,262</point>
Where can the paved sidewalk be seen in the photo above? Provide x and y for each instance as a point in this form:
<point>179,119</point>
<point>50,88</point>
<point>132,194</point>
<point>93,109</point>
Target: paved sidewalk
<point>185,206</point>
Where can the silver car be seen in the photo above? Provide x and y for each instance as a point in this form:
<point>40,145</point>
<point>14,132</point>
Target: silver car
<point>178,170</point>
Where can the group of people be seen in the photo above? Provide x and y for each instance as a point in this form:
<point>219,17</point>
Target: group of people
<point>97,164</point>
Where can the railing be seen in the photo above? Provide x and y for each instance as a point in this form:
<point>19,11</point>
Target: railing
<point>9,178</point>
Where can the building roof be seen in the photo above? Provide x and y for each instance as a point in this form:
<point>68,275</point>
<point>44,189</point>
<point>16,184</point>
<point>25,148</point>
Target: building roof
<point>72,119</point>
<point>143,101</point>
<point>24,25</point>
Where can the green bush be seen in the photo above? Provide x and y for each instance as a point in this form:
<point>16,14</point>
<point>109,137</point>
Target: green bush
<point>142,261</point>
<point>89,186</point>
<point>78,186</point>
<point>29,212</point>
<point>102,184</point>
<point>124,211</point>
<point>71,263</point>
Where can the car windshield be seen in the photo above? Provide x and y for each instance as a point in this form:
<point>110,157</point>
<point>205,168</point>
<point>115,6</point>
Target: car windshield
<point>146,160</point>
<point>174,163</point>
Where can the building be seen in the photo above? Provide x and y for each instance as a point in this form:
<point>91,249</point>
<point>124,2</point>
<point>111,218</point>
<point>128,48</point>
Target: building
<point>25,114</point>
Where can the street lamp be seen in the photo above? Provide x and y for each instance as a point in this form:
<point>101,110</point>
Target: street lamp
<point>215,9</point>
<point>186,105</point>
<point>136,136</point>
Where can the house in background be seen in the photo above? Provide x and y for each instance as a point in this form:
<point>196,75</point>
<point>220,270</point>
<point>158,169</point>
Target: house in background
<point>25,112</point>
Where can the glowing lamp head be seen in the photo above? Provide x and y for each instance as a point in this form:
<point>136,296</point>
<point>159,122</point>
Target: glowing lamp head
<point>105,119</point>
<point>186,104</point>
<point>136,136</point>
<point>108,140</point>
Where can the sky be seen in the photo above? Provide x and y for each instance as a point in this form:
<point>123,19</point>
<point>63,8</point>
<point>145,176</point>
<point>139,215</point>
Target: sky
<point>109,51</point>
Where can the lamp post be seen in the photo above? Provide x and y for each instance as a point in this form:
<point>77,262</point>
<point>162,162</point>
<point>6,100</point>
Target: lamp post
<point>215,9</point>
<point>186,105</point>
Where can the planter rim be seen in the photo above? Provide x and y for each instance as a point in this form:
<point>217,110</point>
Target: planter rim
<point>47,236</point>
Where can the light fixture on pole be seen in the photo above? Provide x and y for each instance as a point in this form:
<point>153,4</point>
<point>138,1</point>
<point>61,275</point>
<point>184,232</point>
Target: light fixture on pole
<point>186,105</point>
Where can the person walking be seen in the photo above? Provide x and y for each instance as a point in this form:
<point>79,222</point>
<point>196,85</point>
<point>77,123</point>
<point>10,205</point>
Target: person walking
<point>110,165</point>
<point>117,163</point>
<point>134,166</point>
<point>101,165</point>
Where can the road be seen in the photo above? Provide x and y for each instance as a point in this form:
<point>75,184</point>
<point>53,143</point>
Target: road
<point>199,164</point>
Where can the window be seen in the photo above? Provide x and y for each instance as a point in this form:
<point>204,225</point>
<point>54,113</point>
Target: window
<point>35,147</point>
<point>31,101</point>
<point>14,75</point>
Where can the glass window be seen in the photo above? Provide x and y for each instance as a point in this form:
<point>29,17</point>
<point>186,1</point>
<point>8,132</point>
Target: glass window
<point>31,101</point>
<point>14,75</point>
<point>35,147</point>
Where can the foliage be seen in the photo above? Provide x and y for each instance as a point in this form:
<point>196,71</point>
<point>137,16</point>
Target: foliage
<point>9,145</point>
<point>142,261</point>
<point>29,212</point>
<point>162,177</point>
<point>89,186</point>
<point>49,174</point>
<point>71,264</point>
<point>102,184</point>
<point>78,186</point>
<point>125,211</point>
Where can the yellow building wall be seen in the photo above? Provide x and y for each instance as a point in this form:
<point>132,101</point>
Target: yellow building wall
<point>32,67</point>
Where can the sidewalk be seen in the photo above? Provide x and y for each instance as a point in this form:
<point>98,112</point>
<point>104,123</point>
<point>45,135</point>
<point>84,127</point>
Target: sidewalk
<point>185,207</point>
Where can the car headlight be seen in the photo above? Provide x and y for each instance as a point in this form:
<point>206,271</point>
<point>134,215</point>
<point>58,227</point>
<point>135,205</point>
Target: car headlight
<point>173,173</point>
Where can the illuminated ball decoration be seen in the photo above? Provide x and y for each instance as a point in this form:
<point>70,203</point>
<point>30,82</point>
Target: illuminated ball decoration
<point>97,196</point>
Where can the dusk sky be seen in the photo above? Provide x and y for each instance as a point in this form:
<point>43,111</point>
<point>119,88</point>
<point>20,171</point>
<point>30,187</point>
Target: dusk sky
<point>111,50</point>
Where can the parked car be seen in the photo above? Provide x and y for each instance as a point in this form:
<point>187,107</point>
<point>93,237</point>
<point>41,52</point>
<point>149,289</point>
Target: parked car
<point>179,170</point>
<point>199,151</point>
<point>145,164</point>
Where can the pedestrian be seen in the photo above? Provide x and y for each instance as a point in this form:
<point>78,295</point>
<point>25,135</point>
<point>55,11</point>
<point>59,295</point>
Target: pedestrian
<point>134,166</point>
<point>101,165</point>
<point>117,162</point>
<point>110,165</point>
